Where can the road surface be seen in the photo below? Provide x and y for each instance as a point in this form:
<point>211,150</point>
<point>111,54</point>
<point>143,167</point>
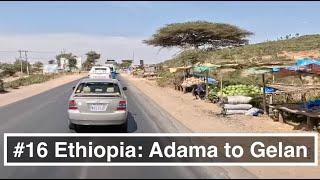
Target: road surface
<point>46,113</point>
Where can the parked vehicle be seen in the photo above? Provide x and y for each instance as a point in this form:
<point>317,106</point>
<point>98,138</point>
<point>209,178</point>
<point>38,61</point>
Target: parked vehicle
<point>113,69</point>
<point>100,72</point>
<point>98,102</point>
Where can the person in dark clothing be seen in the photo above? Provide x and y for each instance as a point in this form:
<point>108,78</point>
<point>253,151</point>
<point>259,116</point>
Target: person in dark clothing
<point>199,91</point>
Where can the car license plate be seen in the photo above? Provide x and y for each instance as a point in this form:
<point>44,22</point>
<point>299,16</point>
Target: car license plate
<point>98,107</point>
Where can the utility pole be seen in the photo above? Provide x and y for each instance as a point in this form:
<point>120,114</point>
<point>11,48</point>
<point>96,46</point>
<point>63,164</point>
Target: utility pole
<point>25,54</point>
<point>20,58</point>
<point>26,59</point>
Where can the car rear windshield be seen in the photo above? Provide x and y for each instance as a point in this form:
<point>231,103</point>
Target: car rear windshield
<point>100,70</point>
<point>98,88</point>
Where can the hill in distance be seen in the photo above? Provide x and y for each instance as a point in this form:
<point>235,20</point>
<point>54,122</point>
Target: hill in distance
<point>279,52</point>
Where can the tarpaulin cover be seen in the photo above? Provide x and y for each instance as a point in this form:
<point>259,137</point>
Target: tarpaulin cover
<point>269,90</point>
<point>205,67</point>
<point>306,61</point>
<point>256,70</point>
<point>313,103</point>
<point>201,68</point>
<point>211,81</point>
<point>302,63</point>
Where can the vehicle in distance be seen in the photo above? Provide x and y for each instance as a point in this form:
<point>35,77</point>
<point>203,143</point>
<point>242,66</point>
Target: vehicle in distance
<point>100,72</point>
<point>98,102</point>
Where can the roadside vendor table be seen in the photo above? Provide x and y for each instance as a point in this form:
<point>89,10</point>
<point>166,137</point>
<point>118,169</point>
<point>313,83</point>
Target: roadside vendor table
<point>296,109</point>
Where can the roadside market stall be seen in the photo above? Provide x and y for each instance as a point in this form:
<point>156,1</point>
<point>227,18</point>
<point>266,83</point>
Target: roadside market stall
<point>291,99</point>
<point>202,70</point>
<point>244,98</point>
<point>181,74</point>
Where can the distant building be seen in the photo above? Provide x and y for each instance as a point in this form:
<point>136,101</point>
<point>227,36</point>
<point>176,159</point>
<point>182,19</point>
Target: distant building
<point>79,63</point>
<point>110,61</point>
<point>64,64</point>
<point>50,68</point>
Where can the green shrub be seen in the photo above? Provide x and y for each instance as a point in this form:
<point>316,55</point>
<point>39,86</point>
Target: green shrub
<point>32,79</point>
<point>1,86</point>
<point>165,78</point>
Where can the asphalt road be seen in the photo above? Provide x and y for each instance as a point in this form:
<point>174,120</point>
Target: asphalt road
<point>46,113</point>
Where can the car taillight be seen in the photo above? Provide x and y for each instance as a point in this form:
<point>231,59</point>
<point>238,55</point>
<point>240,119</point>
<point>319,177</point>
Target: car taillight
<point>122,106</point>
<point>73,104</point>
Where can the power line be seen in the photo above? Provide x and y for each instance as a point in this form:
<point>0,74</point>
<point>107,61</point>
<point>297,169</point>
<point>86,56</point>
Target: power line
<point>38,52</point>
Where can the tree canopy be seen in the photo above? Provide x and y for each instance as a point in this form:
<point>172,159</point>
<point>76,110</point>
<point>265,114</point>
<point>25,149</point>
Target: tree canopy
<point>71,58</point>
<point>37,66</point>
<point>126,63</point>
<point>199,33</point>
<point>92,57</point>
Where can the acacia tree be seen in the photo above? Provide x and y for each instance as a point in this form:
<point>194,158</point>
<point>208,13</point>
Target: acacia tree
<point>92,57</point>
<point>199,33</point>
<point>126,63</point>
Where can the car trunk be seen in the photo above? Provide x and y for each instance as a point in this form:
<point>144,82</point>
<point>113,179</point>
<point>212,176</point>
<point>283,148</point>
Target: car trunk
<point>100,76</point>
<point>97,104</point>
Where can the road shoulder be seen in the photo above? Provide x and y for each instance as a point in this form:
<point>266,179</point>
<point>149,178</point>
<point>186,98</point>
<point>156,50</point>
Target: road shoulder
<point>24,92</point>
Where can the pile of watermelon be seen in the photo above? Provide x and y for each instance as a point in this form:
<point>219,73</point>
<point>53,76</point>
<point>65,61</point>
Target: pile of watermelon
<point>244,90</point>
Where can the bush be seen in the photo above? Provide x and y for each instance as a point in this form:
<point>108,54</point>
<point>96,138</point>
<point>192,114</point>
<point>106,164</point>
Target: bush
<point>165,78</point>
<point>236,78</point>
<point>1,86</point>
<point>32,79</point>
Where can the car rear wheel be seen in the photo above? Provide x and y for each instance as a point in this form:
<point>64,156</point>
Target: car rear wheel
<point>72,126</point>
<point>124,127</point>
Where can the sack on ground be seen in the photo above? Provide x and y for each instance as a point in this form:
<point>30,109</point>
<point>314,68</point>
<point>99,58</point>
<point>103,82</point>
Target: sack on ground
<point>237,106</point>
<point>254,112</point>
<point>231,111</point>
<point>238,99</point>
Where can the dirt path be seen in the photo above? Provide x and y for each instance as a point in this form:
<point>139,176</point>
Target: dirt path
<point>23,92</point>
<point>200,116</point>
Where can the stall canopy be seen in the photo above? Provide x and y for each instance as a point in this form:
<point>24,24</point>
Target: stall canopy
<point>205,67</point>
<point>173,70</point>
<point>307,61</point>
<point>302,65</point>
<point>257,70</point>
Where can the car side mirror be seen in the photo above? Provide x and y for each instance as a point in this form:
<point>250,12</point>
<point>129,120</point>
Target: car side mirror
<point>124,88</point>
<point>73,88</point>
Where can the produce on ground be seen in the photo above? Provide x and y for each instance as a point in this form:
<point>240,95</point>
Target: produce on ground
<point>245,90</point>
<point>191,81</point>
<point>213,93</point>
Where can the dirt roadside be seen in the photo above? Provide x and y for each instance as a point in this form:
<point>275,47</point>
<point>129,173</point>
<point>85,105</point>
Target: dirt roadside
<point>200,116</point>
<point>24,92</point>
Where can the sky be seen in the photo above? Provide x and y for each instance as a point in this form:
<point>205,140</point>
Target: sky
<point>116,29</point>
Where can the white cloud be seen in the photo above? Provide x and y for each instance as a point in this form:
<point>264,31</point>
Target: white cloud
<point>111,47</point>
